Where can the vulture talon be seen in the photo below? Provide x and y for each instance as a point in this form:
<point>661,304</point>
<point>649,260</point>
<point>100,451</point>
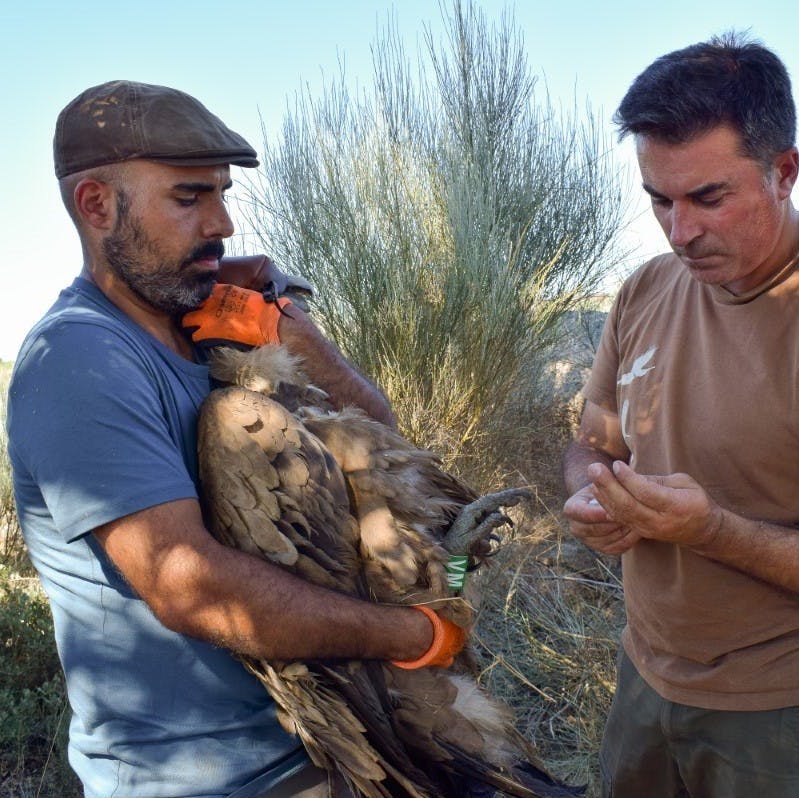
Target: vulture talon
<point>476,521</point>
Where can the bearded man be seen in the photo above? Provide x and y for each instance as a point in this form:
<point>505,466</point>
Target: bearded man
<point>148,608</point>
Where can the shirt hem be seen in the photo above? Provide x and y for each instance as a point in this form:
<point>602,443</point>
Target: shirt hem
<point>135,504</point>
<point>704,699</point>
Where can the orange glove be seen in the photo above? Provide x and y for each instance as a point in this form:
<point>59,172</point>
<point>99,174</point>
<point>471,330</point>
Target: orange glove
<point>448,640</point>
<point>235,315</point>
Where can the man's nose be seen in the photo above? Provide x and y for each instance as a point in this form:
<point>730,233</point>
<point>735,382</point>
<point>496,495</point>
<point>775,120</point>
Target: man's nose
<point>218,223</point>
<point>684,225</point>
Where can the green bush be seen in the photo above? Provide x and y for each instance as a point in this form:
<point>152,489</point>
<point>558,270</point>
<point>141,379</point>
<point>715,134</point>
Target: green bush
<point>447,220</point>
<point>12,551</point>
<point>34,713</point>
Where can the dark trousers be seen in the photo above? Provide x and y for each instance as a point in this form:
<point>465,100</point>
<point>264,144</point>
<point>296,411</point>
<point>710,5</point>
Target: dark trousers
<point>653,748</point>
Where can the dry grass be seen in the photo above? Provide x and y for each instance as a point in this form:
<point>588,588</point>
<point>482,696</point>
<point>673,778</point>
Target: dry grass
<point>551,609</point>
<point>548,638</point>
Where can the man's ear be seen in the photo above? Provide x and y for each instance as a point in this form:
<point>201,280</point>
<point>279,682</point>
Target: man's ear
<point>95,203</point>
<point>787,168</point>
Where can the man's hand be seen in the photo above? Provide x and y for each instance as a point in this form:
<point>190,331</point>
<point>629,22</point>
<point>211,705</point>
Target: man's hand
<point>599,440</point>
<point>591,524</point>
<point>259,273</point>
<point>672,508</point>
<point>233,315</point>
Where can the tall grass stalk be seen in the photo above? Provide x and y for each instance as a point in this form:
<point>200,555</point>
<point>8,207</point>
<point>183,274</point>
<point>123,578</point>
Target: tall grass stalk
<point>447,217</point>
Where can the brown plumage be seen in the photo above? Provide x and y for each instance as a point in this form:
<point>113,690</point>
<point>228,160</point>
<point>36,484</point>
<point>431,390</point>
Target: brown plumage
<point>342,501</point>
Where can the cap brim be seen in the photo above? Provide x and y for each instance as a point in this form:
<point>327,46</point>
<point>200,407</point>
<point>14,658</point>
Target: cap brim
<point>235,159</point>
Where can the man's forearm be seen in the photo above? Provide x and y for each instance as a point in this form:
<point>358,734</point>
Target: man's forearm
<point>576,459</point>
<point>198,587</point>
<point>598,440</point>
<point>256,608</point>
<point>766,551</point>
<point>675,508</point>
<point>329,370</point>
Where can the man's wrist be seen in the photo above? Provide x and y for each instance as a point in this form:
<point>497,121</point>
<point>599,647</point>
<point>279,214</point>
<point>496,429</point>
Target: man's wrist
<point>410,634</point>
<point>712,534</point>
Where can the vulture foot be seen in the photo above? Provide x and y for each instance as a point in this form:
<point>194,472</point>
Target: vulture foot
<point>472,529</point>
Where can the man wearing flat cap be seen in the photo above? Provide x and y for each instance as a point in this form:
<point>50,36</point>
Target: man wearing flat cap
<point>103,405</point>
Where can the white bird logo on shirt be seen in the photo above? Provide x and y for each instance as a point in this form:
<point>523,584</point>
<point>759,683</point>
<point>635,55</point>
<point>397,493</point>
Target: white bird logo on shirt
<point>638,369</point>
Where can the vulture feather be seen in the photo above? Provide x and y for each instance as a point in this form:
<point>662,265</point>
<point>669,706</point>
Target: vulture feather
<point>343,501</point>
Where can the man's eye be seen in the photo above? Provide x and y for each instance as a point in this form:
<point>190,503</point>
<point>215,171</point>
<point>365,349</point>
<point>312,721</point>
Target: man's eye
<point>661,202</point>
<point>709,202</point>
<point>186,202</point>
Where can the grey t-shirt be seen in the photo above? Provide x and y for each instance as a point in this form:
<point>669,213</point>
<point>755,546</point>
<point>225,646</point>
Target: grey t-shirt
<point>102,423</point>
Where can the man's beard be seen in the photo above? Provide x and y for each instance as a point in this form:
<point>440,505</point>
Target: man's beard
<point>166,286</point>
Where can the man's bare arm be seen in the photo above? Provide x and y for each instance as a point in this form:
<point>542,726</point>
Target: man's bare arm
<point>198,587</point>
<point>328,369</point>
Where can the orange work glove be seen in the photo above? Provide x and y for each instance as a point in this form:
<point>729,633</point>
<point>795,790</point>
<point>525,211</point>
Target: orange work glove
<point>448,640</point>
<point>235,315</point>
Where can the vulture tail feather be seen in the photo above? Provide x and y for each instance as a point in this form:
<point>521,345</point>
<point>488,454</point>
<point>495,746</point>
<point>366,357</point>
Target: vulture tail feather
<point>365,691</point>
<point>524,781</point>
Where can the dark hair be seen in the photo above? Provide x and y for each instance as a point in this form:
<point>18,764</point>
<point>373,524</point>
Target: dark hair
<point>728,80</point>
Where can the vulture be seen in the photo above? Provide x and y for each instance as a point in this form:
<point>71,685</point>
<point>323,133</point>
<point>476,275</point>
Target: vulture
<point>343,501</point>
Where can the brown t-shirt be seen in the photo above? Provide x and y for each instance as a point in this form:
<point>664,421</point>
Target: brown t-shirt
<point>707,383</point>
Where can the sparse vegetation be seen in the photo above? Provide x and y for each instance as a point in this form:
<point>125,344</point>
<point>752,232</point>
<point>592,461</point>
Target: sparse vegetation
<point>448,219</point>
<point>34,714</point>
<point>551,616</point>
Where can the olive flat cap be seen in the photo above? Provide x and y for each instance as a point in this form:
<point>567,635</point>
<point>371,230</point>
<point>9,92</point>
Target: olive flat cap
<point>122,120</point>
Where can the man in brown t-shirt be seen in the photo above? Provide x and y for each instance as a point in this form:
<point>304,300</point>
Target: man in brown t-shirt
<point>686,461</point>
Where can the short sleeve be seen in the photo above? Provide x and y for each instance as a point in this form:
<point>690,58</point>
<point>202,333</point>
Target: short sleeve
<point>88,428</point>
<point>601,386</point>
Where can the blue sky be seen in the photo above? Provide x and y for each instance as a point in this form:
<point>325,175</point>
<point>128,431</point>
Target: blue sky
<point>246,58</point>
